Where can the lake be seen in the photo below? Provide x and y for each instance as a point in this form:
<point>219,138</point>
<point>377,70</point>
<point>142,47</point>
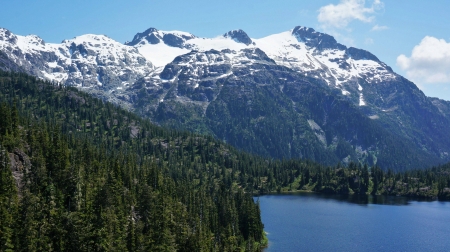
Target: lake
<point>317,222</point>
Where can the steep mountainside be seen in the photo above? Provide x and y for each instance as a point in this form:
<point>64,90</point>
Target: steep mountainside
<point>269,109</point>
<point>295,94</point>
<point>80,174</point>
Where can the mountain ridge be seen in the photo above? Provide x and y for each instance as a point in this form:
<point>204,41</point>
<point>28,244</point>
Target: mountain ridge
<point>176,78</point>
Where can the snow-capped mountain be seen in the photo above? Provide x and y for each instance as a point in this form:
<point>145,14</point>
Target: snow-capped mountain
<point>94,60</point>
<point>161,47</point>
<point>301,49</point>
<point>88,61</point>
<point>320,56</point>
<point>298,93</point>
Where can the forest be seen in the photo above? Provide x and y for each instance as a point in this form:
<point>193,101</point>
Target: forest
<point>78,174</point>
<point>81,174</point>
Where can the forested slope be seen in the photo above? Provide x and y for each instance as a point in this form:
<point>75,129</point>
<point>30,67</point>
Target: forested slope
<point>79,174</point>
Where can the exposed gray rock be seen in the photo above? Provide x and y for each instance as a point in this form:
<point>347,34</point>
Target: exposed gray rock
<point>318,40</point>
<point>19,164</point>
<point>239,36</point>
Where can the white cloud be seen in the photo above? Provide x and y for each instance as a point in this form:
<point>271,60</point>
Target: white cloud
<point>340,15</point>
<point>429,62</point>
<point>379,28</point>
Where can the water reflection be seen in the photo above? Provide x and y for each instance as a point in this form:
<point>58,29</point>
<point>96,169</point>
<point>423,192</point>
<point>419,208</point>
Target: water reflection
<point>357,199</point>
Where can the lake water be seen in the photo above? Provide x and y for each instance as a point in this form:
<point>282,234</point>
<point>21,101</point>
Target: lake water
<point>316,222</point>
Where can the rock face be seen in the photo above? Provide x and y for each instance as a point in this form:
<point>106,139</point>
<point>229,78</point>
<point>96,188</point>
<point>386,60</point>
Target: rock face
<point>19,163</point>
<point>320,41</point>
<point>8,65</point>
<point>239,36</point>
<point>147,35</point>
<point>294,94</point>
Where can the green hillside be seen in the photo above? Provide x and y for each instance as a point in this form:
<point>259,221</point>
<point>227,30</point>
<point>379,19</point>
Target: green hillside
<point>79,174</point>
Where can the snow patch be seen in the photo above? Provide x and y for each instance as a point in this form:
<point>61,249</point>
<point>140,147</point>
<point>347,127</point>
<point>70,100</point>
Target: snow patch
<point>161,54</point>
<point>52,64</point>
<point>361,100</point>
<point>345,92</point>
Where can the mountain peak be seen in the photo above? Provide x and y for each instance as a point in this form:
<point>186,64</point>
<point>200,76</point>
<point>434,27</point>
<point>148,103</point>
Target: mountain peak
<point>7,36</point>
<point>324,41</point>
<point>155,36</point>
<point>239,36</point>
<point>35,39</point>
<point>148,34</point>
<point>150,30</point>
<point>316,39</point>
<point>90,39</point>
<point>3,30</point>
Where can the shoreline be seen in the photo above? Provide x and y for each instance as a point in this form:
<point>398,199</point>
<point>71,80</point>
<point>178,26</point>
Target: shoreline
<point>411,197</point>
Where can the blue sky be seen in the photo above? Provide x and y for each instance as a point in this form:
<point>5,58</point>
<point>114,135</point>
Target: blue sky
<point>411,36</point>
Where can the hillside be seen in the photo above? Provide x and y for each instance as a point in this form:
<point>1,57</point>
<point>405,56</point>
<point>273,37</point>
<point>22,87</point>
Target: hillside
<point>296,94</point>
<point>80,174</point>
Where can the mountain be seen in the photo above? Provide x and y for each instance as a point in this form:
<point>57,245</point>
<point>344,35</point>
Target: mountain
<point>294,94</point>
<point>94,63</point>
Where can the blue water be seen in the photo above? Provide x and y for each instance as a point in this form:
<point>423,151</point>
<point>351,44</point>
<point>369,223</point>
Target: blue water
<point>314,222</point>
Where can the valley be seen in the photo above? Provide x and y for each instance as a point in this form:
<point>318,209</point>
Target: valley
<point>296,94</point>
